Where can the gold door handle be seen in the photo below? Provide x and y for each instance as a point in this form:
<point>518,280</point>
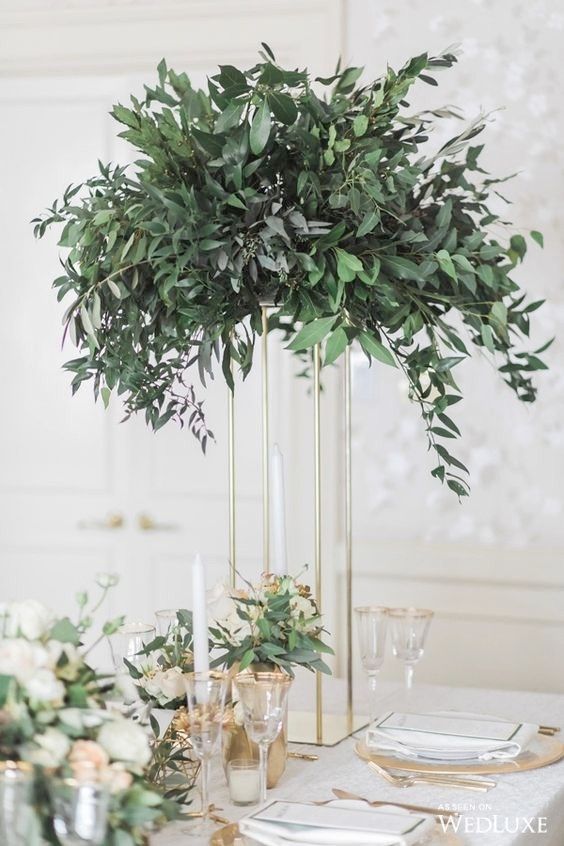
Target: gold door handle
<point>114,520</point>
<point>147,524</point>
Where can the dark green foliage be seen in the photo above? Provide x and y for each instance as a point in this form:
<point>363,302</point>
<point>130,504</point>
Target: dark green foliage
<point>260,190</point>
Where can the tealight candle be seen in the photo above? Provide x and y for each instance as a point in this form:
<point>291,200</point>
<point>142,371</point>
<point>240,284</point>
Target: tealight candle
<point>244,781</point>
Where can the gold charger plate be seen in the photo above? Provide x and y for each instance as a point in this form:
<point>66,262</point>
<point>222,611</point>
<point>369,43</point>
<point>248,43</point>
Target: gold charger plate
<point>230,836</point>
<point>545,750</point>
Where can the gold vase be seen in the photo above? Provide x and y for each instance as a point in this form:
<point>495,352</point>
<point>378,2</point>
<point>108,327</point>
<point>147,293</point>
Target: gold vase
<point>236,743</point>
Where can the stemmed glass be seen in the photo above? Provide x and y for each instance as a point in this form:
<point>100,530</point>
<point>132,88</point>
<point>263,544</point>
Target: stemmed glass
<point>372,623</point>
<point>264,699</point>
<point>80,812</point>
<point>166,620</point>
<point>409,627</point>
<point>129,640</point>
<point>16,800</point>
<point>205,696</point>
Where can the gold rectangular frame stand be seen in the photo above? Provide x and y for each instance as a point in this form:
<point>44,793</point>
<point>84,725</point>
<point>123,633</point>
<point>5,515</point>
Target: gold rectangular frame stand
<point>318,728</point>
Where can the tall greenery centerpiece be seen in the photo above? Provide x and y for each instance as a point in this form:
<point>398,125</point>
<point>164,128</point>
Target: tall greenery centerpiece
<point>337,209</point>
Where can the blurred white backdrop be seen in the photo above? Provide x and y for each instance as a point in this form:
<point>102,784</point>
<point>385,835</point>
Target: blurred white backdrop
<point>491,567</point>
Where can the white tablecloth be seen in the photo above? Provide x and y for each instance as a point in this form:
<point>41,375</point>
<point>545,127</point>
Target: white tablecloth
<point>534,794</point>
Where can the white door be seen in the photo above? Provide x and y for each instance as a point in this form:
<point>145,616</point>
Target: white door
<point>80,493</point>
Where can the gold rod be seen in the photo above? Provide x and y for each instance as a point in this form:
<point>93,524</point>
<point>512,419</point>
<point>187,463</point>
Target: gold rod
<point>317,503</point>
<point>348,536</point>
<point>265,445</point>
<point>231,462</point>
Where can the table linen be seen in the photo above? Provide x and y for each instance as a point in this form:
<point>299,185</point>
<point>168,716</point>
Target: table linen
<point>509,815</point>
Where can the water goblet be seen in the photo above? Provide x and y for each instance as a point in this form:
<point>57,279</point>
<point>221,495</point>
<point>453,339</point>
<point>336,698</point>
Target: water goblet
<point>408,629</point>
<point>80,812</point>
<point>16,800</point>
<point>205,697</point>
<point>264,699</point>
<point>166,621</point>
<point>372,623</point>
<point>126,645</point>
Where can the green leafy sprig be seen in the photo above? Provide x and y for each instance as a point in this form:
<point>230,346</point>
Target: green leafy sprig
<point>335,209</point>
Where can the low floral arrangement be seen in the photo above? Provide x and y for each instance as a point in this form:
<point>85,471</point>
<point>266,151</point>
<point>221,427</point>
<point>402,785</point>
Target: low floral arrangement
<point>53,715</point>
<point>159,679</point>
<point>275,622</point>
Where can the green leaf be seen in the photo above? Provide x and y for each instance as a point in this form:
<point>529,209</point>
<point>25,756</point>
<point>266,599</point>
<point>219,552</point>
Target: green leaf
<point>65,632</point>
<point>487,337</point>
<point>283,107</point>
<point>260,128</point>
<point>402,268</point>
<point>360,125</point>
<point>538,237</point>
<point>335,346</point>
<point>446,265</point>
<point>348,265</point>
<point>312,333</point>
<point>105,393</point>
<point>212,144</point>
<point>368,223</point>
<point>374,348</point>
<point>455,486</point>
<point>230,117</point>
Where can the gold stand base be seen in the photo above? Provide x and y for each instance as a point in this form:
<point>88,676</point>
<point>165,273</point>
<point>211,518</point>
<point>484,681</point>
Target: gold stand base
<point>302,727</point>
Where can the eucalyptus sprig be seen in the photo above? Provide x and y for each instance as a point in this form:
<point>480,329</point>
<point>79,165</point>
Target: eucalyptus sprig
<point>336,209</point>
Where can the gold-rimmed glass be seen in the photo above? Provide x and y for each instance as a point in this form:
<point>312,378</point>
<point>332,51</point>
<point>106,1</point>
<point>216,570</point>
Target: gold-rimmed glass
<point>408,630</point>
<point>16,801</point>
<point>264,700</point>
<point>372,622</point>
<point>126,645</point>
<point>205,698</point>
<point>167,619</point>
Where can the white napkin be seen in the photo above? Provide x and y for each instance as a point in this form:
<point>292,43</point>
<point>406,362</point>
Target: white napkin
<point>449,736</point>
<point>333,824</point>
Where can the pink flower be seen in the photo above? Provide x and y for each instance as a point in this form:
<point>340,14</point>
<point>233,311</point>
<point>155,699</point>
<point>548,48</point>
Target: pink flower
<point>88,752</point>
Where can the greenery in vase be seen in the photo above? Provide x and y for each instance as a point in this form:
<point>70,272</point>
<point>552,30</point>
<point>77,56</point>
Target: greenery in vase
<point>276,622</point>
<point>159,679</point>
<point>336,209</point>
<point>53,715</point>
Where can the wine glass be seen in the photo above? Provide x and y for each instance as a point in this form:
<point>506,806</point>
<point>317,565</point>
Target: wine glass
<point>127,644</point>
<point>264,698</point>
<point>372,623</point>
<point>80,812</point>
<point>408,628</point>
<point>205,696</point>
<point>166,620</point>
<point>16,800</point>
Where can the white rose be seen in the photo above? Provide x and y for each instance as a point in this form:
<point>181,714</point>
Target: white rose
<point>125,741</point>
<point>48,749</point>
<point>21,659</point>
<point>29,619</point>
<point>172,683</point>
<point>44,686</point>
<point>304,611</point>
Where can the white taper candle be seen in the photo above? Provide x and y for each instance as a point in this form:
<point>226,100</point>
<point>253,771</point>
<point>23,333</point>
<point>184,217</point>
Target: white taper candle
<point>200,617</point>
<point>279,563</point>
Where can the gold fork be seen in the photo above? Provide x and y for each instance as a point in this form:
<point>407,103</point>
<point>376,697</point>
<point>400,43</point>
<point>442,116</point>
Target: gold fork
<point>481,785</point>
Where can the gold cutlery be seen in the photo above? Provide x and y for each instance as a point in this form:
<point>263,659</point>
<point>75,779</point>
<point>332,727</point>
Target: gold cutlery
<point>303,756</point>
<point>418,809</point>
<point>481,785</point>
<point>550,731</point>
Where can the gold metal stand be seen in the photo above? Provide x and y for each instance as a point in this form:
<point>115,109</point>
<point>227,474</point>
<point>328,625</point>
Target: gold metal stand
<point>308,727</point>
<point>265,446</point>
